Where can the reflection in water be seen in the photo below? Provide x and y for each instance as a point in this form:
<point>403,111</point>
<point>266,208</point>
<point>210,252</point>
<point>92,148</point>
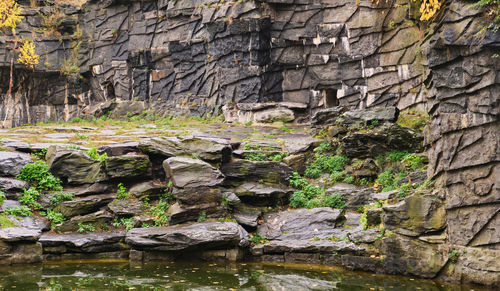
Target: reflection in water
<point>120,275</point>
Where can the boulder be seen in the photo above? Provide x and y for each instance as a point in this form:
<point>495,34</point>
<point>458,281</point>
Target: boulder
<point>383,139</point>
<point>247,215</point>
<point>30,222</point>
<point>92,189</point>
<point>197,195</point>
<point>365,236</point>
<point>244,170</point>
<point>180,213</point>
<point>198,236</point>
<point>188,172</point>
<point>74,166</point>
<point>11,163</point>
<point>96,219</point>
<point>83,206</point>
<point>354,196</point>
<point>262,195</point>
<point>148,189</point>
<point>119,149</point>
<point>368,115</point>
<point>12,188</point>
<point>207,148</point>
<point>127,207</point>
<point>128,166</point>
<point>83,243</point>
<point>418,214</point>
<point>302,224</point>
<point>326,117</point>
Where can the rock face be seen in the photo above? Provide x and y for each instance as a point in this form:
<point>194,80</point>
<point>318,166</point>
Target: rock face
<point>199,236</point>
<point>245,170</point>
<point>11,163</point>
<point>82,243</point>
<point>74,166</point>
<point>300,224</point>
<point>188,172</point>
<point>19,245</point>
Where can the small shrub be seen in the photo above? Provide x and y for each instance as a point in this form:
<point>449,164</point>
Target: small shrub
<point>122,192</point>
<point>453,256</point>
<point>84,227</point>
<point>40,154</point>
<point>22,210</point>
<point>96,156</point>
<point>396,156</point>
<point>386,180</point>
<point>54,217</point>
<point>335,201</point>
<point>30,197</point>
<point>38,175</point>
<point>256,239</point>
<point>202,217</point>
<point>336,176</point>
<point>128,223</point>
<point>2,198</point>
<point>413,162</point>
<point>58,198</point>
<point>159,213</point>
<point>326,164</point>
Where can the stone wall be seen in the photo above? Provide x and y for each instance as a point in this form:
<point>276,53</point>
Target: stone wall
<point>192,57</point>
<point>463,136</point>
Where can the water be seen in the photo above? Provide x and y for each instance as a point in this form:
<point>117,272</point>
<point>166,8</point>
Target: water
<point>121,275</point>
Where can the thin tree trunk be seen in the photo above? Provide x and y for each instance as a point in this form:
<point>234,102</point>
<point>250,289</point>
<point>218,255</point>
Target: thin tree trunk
<point>11,82</point>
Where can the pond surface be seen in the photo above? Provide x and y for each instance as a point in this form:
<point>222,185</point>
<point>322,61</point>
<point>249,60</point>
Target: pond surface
<point>121,275</point>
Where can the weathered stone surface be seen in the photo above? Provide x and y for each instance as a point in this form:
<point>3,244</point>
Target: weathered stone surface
<point>385,138</point>
<point>366,116</point>
<point>19,234</point>
<point>270,172</point>
<point>418,214</point>
<point>92,189</point>
<point>198,236</point>
<point>262,195</point>
<point>83,206</point>
<point>307,246</point>
<point>209,149</point>
<point>354,196</point>
<point>325,117</point>
<point>74,166</point>
<point>198,195</point>
<point>119,149</point>
<point>188,172</point>
<point>301,224</point>
<point>128,166</point>
<point>96,219</point>
<point>12,187</point>
<point>126,207</point>
<point>180,214</point>
<point>86,243</point>
<point>11,163</point>
<point>147,189</point>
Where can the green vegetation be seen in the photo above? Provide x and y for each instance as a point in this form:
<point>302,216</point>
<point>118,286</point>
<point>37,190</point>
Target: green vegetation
<point>365,208</point>
<point>2,198</point>
<point>60,197</point>
<point>278,157</point>
<point>122,192</point>
<point>202,217</point>
<point>414,119</point>
<point>256,239</point>
<point>159,212</point>
<point>54,217</point>
<point>38,175</point>
<point>83,227</point>
<point>128,223</point>
<point>96,156</point>
<point>6,222</point>
<point>492,12</point>
<point>22,210</point>
<point>453,256</point>
<point>326,164</point>
<point>30,197</point>
<point>40,154</point>
<point>310,196</point>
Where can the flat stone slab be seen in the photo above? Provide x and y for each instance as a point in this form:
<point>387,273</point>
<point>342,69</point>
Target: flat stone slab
<point>85,242</point>
<point>15,234</point>
<point>198,236</point>
<point>307,246</point>
<point>11,163</point>
<point>300,223</point>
